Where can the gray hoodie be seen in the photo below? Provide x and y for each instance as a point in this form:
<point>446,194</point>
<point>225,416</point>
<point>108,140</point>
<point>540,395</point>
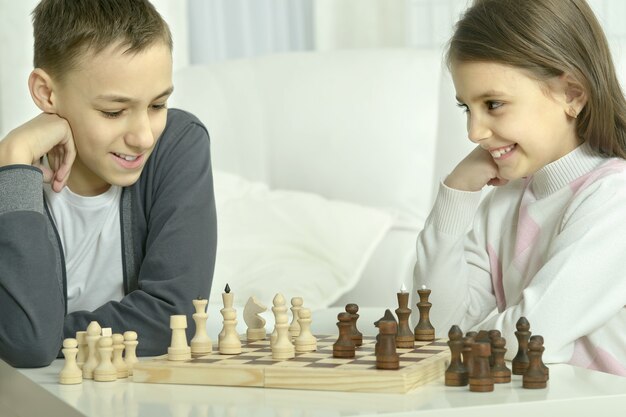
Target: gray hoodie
<point>169,238</point>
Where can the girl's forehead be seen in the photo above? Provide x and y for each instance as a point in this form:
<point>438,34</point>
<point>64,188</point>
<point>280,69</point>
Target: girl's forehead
<point>476,78</point>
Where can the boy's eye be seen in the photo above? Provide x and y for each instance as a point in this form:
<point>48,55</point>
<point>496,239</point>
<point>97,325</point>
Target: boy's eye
<point>111,114</point>
<point>492,105</point>
<point>159,106</point>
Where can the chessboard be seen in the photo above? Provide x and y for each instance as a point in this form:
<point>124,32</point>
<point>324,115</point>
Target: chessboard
<point>317,370</point>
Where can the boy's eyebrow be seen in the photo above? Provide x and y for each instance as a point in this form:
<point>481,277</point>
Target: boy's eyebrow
<point>123,99</point>
<point>486,94</point>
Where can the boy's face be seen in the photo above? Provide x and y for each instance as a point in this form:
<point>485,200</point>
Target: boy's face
<point>115,104</point>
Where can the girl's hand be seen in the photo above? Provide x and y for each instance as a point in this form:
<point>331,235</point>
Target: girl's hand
<point>46,134</point>
<point>474,172</point>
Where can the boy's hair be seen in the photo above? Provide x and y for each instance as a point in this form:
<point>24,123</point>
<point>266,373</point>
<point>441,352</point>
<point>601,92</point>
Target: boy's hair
<point>65,30</point>
<point>549,38</point>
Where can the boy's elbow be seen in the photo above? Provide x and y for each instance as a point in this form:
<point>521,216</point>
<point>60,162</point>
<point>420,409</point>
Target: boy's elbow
<point>34,357</point>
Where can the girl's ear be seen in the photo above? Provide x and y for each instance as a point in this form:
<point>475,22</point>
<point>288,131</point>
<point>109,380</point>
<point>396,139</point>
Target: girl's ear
<point>41,89</point>
<point>575,95</point>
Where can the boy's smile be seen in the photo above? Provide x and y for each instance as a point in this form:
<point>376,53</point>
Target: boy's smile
<point>520,121</point>
<point>115,103</point>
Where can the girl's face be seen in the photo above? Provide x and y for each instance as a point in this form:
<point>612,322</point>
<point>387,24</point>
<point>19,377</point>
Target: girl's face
<point>522,122</point>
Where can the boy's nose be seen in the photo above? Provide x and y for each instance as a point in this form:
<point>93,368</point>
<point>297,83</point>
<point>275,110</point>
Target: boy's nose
<point>140,134</point>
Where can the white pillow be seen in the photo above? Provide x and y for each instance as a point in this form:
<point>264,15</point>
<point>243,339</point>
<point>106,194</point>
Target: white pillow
<point>295,243</point>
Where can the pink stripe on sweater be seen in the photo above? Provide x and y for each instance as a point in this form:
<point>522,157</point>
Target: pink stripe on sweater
<point>592,357</point>
<point>496,278</point>
<point>612,166</point>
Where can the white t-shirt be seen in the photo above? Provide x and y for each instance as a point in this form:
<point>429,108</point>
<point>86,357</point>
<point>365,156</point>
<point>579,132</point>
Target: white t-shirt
<point>89,229</point>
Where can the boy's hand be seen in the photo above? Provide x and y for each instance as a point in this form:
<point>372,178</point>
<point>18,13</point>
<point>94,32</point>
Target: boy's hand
<point>45,134</point>
<point>474,172</point>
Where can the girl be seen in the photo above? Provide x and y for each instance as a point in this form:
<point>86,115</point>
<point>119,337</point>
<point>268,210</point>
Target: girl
<point>545,109</point>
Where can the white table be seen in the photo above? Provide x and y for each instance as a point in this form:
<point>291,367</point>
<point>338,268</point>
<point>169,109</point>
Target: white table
<point>574,391</point>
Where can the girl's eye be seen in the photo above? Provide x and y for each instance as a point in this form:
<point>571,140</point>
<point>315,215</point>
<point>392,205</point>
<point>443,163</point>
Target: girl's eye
<point>159,106</point>
<point>111,114</point>
<point>463,107</point>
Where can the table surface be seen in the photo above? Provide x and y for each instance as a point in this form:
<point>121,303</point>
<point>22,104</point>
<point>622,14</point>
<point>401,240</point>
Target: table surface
<point>571,390</point>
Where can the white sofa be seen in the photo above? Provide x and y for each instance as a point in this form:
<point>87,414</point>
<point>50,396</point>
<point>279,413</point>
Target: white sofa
<point>375,129</point>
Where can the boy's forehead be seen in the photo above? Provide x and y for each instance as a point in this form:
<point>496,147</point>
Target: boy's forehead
<point>115,70</point>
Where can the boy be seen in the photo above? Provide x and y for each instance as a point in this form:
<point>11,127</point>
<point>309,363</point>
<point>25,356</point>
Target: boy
<point>106,198</point>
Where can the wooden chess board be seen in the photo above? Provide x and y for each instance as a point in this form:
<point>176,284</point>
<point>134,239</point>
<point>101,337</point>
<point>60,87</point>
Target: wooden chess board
<point>318,370</point>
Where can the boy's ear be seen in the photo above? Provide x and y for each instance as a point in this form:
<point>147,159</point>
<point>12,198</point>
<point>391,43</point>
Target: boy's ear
<point>575,95</point>
<point>41,89</point>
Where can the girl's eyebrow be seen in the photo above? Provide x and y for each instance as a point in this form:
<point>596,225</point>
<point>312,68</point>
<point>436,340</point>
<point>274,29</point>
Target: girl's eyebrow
<point>486,94</point>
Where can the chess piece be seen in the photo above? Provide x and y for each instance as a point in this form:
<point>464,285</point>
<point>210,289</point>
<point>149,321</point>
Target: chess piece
<point>539,339</point>
<point>254,322</point>
<point>282,348</point>
<point>480,379</point>
<point>178,350</point>
<point>201,342</point>
<point>424,331</point>
<point>93,335</point>
<point>227,300</point>
<point>130,350</point>
<point>230,344</point>
<point>118,356</point>
<point>456,375</point>
<point>405,338</point>
<point>386,354</point>
<point>387,317</point>
<point>535,376</point>
<point>296,305</point>
<point>344,347</point>
<point>493,335</point>
<point>520,361</point>
<point>500,372</point>
<point>81,339</point>
<point>105,371</point>
<point>355,334</point>
<point>305,342</point>
<point>468,341</point>
<point>71,373</point>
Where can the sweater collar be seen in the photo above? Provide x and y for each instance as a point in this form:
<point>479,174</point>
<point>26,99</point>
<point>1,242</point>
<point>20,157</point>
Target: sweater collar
<point>564,170</point>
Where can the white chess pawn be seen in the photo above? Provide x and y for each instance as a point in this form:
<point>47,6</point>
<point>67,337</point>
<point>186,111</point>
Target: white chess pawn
<point>118,358</point>
<point>201,343</point>
<point>178,350</point>
<point>105,371</point>
<point>93,335</point>
<point>305,342</point>
<point>230,344</point>
<point>282,348</point>
<point>71,373</point>
<point>83,349</point>
<point>296,306</point>
<point>130,350</point>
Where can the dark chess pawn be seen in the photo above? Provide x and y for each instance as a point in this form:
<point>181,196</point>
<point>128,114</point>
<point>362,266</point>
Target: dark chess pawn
<point>493,334</point>
<point>468,341</point>
<point>357,336</point>
<point>456,375</point>
<point>344,347</point>
<point>520,361</point>
<point>480,380</point>
<point>501,374</point>
<point>546,370</point>
<point>535,376</point>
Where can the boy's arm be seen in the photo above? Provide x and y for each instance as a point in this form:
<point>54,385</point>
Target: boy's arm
<point>176,192</point>
<point>31,285</point>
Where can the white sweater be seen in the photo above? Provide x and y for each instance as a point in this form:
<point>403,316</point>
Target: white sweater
<point>551,247</point>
